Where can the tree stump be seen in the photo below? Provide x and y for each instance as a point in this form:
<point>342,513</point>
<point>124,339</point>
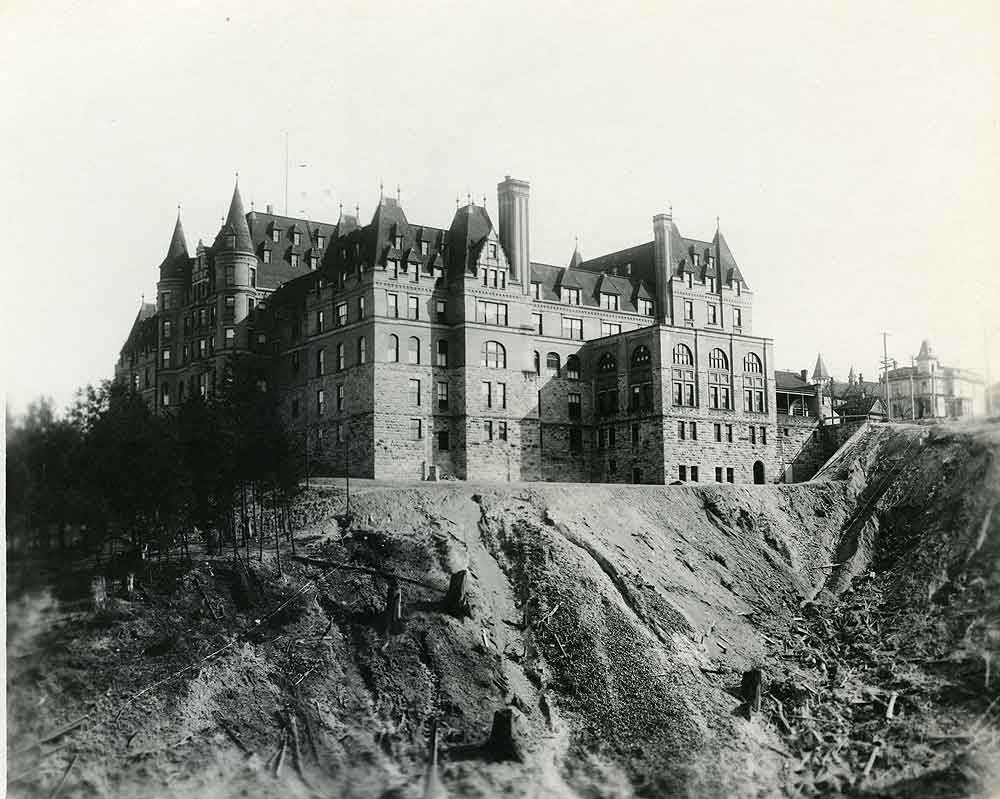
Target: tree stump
<point>457,601</point>
<point>750,687</point>
<point>507,738</point>
<point>393,608</point>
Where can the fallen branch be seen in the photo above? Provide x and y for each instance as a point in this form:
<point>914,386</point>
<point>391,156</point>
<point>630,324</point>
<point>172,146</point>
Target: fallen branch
<point>201,589</point>
<point>871,760</point>
<point>236,739</point>
<point>329,564</point>
<point>62,782</point>
<point>281,753</point>
<point>52,735</point>
<point>829,565</point>
<point>892,705</point>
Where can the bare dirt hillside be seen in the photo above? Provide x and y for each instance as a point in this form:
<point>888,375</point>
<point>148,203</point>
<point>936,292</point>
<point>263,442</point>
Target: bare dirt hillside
<point>608,631</point>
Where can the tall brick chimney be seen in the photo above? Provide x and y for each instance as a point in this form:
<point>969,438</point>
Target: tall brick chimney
<point>663,264</point>
<point>512,200</point>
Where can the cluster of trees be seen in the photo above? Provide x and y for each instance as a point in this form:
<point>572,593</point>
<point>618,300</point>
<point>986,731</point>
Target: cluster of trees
<point>220,470</point>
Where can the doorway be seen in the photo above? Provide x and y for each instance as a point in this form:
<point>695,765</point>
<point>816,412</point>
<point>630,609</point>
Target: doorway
<point>758,473</point>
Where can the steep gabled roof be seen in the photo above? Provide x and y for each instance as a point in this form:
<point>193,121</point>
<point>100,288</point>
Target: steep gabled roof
<point>176,261</point>
<point>469,229</point>
<point>235,225</point>
<point>820,372</point>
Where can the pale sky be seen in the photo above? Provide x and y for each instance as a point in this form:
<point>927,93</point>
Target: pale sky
<point>850,149</point>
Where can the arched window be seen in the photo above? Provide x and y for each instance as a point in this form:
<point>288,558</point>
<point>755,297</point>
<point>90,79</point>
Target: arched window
<point>751,363</point>
<point>717,360</point>
<point>719,393</point>
<point>682,355</point>
<point>320,361</point>
<point>362,350</point>
<point>573,367</point>
<point>392,352</point>
<point>552,363</point>
<point>538,363</point>
<point>413,350</point>
<point>640,356</point>
<point>607,363</point>
<point>494,355</point>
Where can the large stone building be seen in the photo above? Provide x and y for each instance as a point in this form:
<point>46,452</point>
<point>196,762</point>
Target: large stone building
<point>405,350</point>
<point>928,390</point>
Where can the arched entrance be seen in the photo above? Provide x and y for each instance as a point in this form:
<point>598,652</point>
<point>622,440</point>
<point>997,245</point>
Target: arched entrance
<point>758,472</point>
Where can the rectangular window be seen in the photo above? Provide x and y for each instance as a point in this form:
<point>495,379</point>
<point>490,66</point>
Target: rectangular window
<point>166,330</point>
<point>230,275</point>
<point>392,305</point>
<point>295,259</point>
<point>492,313</point>
<point>682,473</point>
<point>341,314</point>
<point>610,302</point>
<point>416,429</point>
<point>361,308</point>
<point>502,430</point>
<point>392,265</point>
<point>296,237</point>
<point>443,440</point>
<point>693,431</point>
<point>536,291</point>
<point>569,296</point>
<point>537,319</point>
<point>718,474</point>
<point>442,352</point>
<point>412,307</point>
<point>320,321</point>
<point>763,435</point>
<point>694,474</point>
<point>713,311</point>
<point>575,439</point>
<point>340,398</point>
<point>502,395</point>
<point>610,329</point>
<point>688,310</point>
<point>442,396</point>
<point>573,401</point>
<point>320,402</point>
<point>487,392</point>
<point>165,360</point>
<point>718,431</point>
<point>442,311</point>
<point>415,392</point>
<point>753,434</point>
<point>635,435</point>
<point>340,357</point>
<point>737,317</point>
<point>646,307</point>
<point>681,430</point>
<point>572,328</point>
<point>729,433</point>
<point>230,337</point>
<point>488,430</point>
<point>229,312</point>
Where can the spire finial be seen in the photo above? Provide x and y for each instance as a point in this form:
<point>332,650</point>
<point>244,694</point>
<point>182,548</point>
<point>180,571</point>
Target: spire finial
<point>397,192</point>
<point>468,198</point>
<point>381,190</point>
<point>357,210</point>
<point>237,177</point>
<point>458,201</point>
<point>717,224</point>
<point>484,201</point>
<point>340,207</point>
<point>178,210</point>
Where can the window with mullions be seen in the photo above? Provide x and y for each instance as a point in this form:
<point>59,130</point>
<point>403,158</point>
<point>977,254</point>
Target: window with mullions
<point>607,363</point>
<point>718,380</point>
<point>494,355</point>
<point>573,367</point>
<point>492,313</point>
<point>641,397</point>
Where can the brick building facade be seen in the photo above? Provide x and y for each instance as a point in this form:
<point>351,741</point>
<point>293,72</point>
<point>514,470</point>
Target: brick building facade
<point>396,349</point>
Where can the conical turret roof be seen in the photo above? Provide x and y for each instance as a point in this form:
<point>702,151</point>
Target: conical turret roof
<point>820,372</point>
<point>176,261</point>
<point>235,225</point>
<point>926,351</point>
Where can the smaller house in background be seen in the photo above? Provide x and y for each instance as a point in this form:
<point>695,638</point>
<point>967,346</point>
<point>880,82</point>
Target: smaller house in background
<point>795,395</point>
<point>861,405</point>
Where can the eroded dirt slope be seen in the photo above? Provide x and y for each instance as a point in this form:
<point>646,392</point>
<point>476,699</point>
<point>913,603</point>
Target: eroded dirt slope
<point>614,623</point>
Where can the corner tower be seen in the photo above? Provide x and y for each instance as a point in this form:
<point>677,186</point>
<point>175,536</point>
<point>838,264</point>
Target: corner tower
<point>235,268</point>
<point>512,199</point>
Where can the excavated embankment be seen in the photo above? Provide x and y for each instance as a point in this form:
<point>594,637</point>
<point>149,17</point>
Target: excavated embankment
<point>612,624</point>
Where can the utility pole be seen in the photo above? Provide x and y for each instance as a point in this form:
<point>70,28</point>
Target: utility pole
<point>986,392</point>
<point>885,367</point>
<point>913,406</point>
<point>286,173</point>
<point>305,432</point>
<point>347,474</point>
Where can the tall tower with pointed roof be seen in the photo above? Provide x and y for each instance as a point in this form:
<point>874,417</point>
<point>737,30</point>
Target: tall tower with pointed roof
<point>234,264</point>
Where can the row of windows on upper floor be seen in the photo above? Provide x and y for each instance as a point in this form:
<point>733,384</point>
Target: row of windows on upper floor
<point>712,314</point>
<point>608,301</point>
<point>710,283</point>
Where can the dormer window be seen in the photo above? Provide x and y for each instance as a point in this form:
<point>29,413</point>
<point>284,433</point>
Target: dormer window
<point>711,284</point>
<point>296,238</point>
<point>313,262</point>
<point>267,256</point>
<point>628,269</point>
<point>696,259</point>
<point>569,296</point>
<point>275,234</point>
<point>493,250</point>
<point>321,241</point>
<point>295,259</point>
<point>610,302</point>
<point>398,242</point>
<point>423,248</point>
